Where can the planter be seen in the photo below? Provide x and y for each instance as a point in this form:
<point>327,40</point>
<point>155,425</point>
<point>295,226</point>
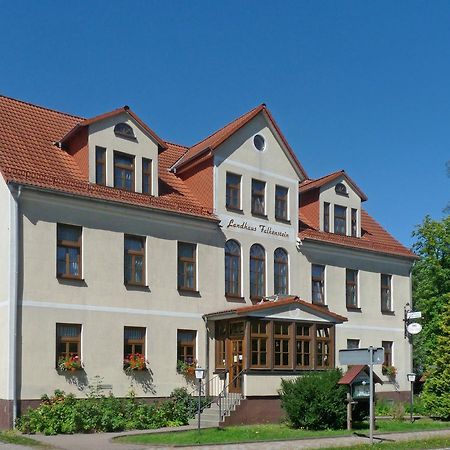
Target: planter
<point>69,363</point>
<point>186,369</point>
<point>389,371</point>
<point>134,362</point>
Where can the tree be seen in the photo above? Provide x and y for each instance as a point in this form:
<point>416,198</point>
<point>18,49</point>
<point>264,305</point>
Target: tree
<point>431,284</point>
<point>436,392</point>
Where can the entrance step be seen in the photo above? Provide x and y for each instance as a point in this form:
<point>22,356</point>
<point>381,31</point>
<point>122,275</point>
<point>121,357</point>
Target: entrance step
<point>210,417</point>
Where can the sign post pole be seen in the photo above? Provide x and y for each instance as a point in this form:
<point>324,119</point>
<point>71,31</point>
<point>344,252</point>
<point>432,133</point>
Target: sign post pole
<point>371,394</point>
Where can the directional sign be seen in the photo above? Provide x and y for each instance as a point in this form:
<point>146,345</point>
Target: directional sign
<point>413,315</point>
<point>355,356</point>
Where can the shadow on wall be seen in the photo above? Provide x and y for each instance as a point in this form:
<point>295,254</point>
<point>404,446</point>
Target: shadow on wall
<point>143,379</point>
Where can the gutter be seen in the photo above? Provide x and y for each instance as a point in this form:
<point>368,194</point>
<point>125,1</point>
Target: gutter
<point>14,242</point>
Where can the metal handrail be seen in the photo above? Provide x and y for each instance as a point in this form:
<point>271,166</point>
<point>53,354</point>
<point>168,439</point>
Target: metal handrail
<point>223,396</point>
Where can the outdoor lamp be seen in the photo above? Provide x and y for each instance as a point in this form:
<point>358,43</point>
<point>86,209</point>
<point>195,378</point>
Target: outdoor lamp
<point>411,377</point>
<point>199,373</point>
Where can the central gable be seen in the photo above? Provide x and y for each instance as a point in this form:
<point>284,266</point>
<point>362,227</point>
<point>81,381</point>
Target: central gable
<point>290,312</point>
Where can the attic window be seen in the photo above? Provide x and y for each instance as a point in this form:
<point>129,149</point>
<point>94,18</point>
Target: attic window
<point>124,130</point>
<point>259,142</point>
<point>341,189</point>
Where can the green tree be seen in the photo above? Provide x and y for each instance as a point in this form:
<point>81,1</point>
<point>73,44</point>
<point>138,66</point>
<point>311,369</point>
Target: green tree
<point>431,284</point>
<point>436,392</point>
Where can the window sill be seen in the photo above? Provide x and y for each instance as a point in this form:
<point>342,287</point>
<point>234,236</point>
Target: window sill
<point>281,220</point>
<point>232,297</point>
<point>187,291</point>
<point>131,284</point>
<point>235,210</point>
<point>260,216</point>
<point>353,308</point>
<point>69,277</point>
<point>388,313</point>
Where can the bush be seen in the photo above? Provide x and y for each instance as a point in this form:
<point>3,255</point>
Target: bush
<point>315,401</point>
<point>63,414</point>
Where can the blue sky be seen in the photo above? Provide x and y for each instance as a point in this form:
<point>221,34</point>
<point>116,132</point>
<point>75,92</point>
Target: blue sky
<point>357,85</point>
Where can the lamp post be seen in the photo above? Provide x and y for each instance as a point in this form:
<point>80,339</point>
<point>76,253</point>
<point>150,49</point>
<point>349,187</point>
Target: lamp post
<point>411,378</point>
<point>199,374</point>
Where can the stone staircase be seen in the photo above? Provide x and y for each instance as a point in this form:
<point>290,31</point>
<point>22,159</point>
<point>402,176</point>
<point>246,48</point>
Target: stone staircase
<point>211,416</point>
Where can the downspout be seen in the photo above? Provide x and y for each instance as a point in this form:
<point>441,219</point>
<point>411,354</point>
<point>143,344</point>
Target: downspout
<point>207,355</point>
<point>13,295</point>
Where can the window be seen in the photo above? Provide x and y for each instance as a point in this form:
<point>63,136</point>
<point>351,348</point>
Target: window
<point>281,203</point>
<point>133,341</point>
<point>351,288</point>
<point>354,220</point>
<point>352,343</point>
<point>387,345</point>
<point>100,165</point>
<point>281,344</point>
<point>340,189</point>
<point>259,142</point>
<point>232,269</point>
<point>340,219</point>
<point>281,269</point>
<point>68,340</point>
<point>134,260</point>
<point>123,171</point>
<point>186,346</point>
<point>386,301</point>
<point>124,130</point>
<point>233,191</point>
<point>258,342</point>
<point>257,271</point>
<point>326,217</point>
<point>318,284</point>
<point>323,346</point>
<point>146,176</point>
<point>303,345</point>
<point>258,197</point>
<point>68,251</point>
<point>221,339</point>
<point>186,266</point>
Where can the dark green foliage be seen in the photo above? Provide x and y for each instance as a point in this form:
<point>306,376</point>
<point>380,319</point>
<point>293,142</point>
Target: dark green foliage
<point>436,392</point>
<point>63,414</point>
<point>315,401</point>
<point>431,285</point>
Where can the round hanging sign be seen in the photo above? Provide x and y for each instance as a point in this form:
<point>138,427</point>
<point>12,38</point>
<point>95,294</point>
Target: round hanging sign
<point>414,328</point>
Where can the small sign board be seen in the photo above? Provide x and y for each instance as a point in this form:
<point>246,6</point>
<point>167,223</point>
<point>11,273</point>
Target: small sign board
<point>414,328</point>
<point>355,356</point>
<point>414,315</point>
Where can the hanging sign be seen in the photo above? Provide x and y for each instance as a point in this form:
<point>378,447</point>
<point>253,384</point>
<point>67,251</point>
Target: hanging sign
<point>414,328</point>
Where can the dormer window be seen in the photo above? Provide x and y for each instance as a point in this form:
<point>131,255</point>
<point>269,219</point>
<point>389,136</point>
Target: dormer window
<point>340,189</point>
<point>124,130</point>
<point>123,171</point>
<point>340,219</point>
<point>354,220</point>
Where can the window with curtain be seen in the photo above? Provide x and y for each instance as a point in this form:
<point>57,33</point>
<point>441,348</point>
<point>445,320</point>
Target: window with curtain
<point>318,284</point>
<point>146,176</point>
<point>323,346</point>
<point>68,340</point>
<point>351,288</point>
<point>133,341</point>
<point>186,266</point>
<point>232,269</point>
<point>68,251</point>
<point>281,203</point>
<point>100,165</point>
<point>257,271</point>
<point>258,197</point>
<point>134,262</point>
<point>233,191</point>
<point>281,269</point>
<point>354,222</point>
<point>386,301</point>
<point>123,171</point>
<point>186,346</point>
<point>340,219</point>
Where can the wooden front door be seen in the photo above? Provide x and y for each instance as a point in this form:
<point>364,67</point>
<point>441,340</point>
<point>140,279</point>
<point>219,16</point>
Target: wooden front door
<point>235,364</point>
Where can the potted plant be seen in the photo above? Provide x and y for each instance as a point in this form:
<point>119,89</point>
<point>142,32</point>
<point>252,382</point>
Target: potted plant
<point>389,371</point>
<point>70,363</point>
<point>187,368</point>
<point>134,361</point>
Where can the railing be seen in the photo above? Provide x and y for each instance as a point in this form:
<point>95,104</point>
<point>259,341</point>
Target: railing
<point>227,401</point>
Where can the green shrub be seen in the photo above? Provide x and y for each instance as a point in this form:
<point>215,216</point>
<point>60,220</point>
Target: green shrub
<point>63,414</point>
<point>315,401</point>
<point>383,407</point>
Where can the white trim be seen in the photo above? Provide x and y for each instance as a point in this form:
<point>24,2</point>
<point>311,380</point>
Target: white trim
<point>251,169</point>
<point>4,303</point>
<point>110,309</point>
<point>265,142</point>
<point>368,327</point>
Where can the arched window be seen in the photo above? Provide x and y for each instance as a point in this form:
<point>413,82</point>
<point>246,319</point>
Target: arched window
<point>257,271</point>
<point>232,269</point>
<point>341,189</point>
<point>124,130</point>
<point>281,270</point>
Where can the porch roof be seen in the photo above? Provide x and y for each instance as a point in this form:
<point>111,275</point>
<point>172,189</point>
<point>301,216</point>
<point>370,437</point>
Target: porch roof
<point>276,304</point>
<point>353,372</point>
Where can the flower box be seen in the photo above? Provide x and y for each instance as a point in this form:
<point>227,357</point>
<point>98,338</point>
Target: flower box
<point>134,361</point>
<point>186,368</point>
<point>389,371</point>
<point>69,363</point>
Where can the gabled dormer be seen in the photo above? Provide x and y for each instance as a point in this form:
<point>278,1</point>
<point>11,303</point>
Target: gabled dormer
<point>336,199</point>
<point>118,150</point>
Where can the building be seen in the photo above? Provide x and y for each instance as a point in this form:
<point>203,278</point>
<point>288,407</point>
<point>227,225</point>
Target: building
<point>224,254</point>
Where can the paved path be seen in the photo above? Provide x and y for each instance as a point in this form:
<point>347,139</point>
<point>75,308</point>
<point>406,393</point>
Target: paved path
<point>102,441</point>
<point>4,446</point>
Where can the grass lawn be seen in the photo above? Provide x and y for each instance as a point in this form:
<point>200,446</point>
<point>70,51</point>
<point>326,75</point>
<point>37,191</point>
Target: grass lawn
<point>419,444</point>
<point>11,437</point>
<point>272,432</point>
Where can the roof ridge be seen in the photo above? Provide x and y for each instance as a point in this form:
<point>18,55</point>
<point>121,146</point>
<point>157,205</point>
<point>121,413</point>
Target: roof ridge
<point>325,176</point>
<point>175,144</point>
<point>42,107</point>
<point>262,105</point>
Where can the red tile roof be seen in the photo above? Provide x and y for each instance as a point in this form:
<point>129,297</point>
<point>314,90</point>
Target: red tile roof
<point>28,156</point>
<point>209,144</point>
<point>289,300</point>
<point>354,371</point>
<point>308,185</point>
